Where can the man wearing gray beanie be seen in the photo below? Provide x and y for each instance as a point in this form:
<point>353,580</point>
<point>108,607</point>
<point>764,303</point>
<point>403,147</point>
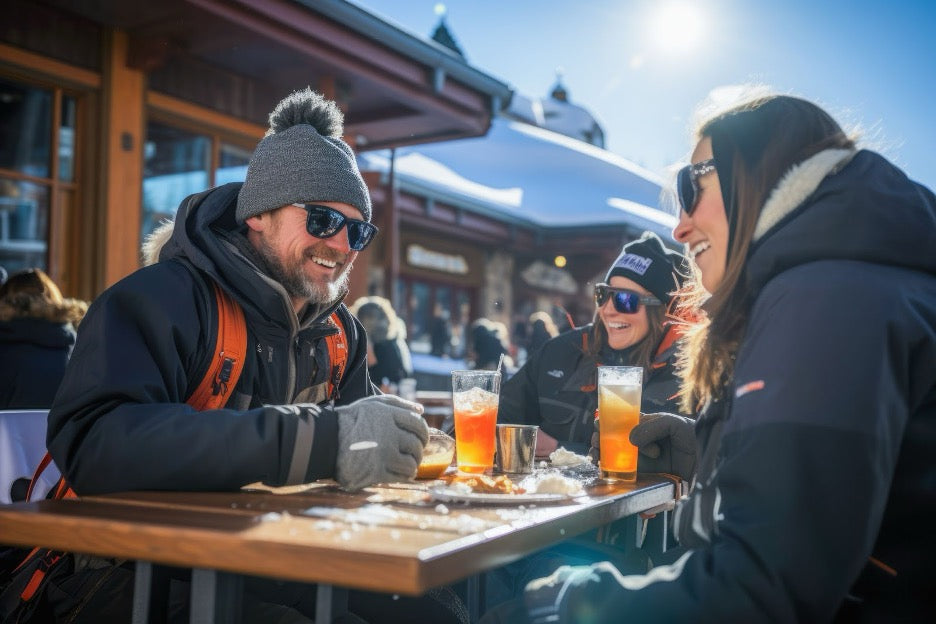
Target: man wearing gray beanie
<point>281,246</point>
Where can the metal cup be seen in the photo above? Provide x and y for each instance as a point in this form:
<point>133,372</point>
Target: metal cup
<point>516,448</point>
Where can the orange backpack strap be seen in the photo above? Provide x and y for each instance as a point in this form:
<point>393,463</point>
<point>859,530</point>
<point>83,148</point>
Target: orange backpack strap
<point>227,362</point>
<point>46,557</point>
<point>337,355</point>
<point>672,333</point>
<point>61,489</point>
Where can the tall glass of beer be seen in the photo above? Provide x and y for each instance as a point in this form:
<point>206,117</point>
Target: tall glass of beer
<point>474,398</point>
<point>618,411</point>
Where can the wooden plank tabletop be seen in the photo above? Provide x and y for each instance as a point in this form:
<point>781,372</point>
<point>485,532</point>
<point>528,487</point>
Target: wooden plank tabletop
<point>386,539</point>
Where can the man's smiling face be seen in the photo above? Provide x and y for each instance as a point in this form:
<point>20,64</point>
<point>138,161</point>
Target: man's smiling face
<point>308,267</point>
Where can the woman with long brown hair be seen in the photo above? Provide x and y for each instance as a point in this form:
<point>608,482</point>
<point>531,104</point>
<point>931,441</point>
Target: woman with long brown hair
<point>814,377</point>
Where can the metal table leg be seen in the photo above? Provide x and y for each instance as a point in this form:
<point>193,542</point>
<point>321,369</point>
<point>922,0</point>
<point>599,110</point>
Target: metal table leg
<point>330,602</point>
<point>216,597</point>
<point>475,597</point>
<point>150,593</point>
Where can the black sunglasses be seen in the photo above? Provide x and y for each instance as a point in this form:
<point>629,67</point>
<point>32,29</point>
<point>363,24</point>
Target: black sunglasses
<point>625,301</point>
<point>325,222</point>
<point>687,183</point>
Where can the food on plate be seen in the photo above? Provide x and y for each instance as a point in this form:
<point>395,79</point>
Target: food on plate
<point>483,484</point>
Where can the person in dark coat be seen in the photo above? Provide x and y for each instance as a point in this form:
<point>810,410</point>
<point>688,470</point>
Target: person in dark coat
<point>488,344</point>
<point>542,330</point>
<point>557,386</point>
<point>37,334</point>
<point>440,332</point>
<point>389,355</point>
<point>815,373</point>
<point>282,245</point>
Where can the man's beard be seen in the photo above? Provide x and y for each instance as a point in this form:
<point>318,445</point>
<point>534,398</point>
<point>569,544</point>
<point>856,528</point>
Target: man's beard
<point>297,283</point>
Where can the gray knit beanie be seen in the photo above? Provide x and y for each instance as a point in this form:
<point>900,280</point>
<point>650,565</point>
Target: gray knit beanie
<point>302,159</point>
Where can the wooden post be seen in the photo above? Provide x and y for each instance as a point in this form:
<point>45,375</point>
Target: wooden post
<point>123,130</point>
<point>392,244</point>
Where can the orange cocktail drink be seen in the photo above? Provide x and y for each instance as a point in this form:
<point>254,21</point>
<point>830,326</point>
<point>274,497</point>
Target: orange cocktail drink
<point>474,402</point>
<point>618,411</point>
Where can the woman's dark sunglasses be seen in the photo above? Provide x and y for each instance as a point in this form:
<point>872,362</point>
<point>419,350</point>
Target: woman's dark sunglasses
<point>687,183</point>
<point>325,222</point>
<point>625,301</point>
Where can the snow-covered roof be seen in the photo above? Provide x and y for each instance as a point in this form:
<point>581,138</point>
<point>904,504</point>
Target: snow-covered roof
<point>572,120</point>
<point>525,174</point>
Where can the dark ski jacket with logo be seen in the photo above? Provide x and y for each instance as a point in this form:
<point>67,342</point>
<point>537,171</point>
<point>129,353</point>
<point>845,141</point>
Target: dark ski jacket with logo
<point>556,388</point>
<point>120,421</point>
<point>815,493</point>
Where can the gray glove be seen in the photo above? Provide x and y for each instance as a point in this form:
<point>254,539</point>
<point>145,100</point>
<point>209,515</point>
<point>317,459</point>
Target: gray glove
<point>666,443</point>
<point>380,439</point>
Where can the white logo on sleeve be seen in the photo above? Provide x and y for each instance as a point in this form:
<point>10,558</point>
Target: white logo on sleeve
<point>558,374</point>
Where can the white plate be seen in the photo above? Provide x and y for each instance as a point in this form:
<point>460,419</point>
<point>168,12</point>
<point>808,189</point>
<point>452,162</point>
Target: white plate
<point>448,494</point>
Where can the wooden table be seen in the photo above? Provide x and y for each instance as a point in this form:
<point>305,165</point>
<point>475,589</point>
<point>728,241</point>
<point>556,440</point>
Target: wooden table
<point>371,540</point>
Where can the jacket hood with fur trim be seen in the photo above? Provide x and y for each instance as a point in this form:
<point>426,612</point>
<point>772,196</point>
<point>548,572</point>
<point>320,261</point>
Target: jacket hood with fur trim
<point>846,205</point>
<point>23,306</point>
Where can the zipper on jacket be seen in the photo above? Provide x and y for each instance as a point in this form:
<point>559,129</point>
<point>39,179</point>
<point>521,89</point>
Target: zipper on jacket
<point>291,369</point>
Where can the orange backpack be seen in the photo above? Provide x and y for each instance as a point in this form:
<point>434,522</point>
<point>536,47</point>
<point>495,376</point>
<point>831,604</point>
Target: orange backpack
<point>211,393</point>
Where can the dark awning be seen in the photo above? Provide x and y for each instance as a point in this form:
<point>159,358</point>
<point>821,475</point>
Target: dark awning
<point>396,88</point>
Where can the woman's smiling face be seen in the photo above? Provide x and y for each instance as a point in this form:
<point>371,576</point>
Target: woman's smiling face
<point>624,330</point>
<point>705,233</point>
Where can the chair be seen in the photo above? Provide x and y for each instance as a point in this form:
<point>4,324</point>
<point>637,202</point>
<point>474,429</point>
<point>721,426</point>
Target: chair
<point>22,446</point>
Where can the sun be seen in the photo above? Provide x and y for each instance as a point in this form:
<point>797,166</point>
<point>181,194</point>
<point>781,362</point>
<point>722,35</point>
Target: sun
<point>676,27</point>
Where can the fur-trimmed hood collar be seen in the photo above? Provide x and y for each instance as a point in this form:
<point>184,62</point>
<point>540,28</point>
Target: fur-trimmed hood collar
<point>841,204</point>
<point>797,185</point>
<point>23,306</point>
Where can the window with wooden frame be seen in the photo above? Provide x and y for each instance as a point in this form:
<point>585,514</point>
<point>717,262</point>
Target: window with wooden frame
<point>38,177</point>
<point>188,150</point>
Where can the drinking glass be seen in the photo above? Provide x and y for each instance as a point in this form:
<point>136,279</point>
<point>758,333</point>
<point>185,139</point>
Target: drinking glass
<point>474,401</point>
<point>619,390</point>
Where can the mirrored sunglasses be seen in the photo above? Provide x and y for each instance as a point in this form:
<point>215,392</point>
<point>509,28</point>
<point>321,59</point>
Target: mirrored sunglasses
<point>625,301</point>
<point>325,222</point>
<point>687,183</point>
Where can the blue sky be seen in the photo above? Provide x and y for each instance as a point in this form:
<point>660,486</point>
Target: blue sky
<point>870,64</point>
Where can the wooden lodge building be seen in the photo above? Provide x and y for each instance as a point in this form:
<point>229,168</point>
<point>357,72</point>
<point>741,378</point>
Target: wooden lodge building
<point>112,112</point>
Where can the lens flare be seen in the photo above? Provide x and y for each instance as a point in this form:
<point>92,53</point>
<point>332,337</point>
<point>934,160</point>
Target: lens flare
<point>677,27</point>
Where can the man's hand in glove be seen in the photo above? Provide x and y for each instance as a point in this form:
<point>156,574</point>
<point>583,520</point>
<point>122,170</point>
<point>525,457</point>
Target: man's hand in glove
<point>380,439</point>
<point>666,443</point>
